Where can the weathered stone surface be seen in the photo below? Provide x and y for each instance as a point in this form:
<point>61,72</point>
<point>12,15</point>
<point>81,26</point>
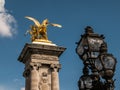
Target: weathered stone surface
<point>39,49</point>
<point>41,66</point>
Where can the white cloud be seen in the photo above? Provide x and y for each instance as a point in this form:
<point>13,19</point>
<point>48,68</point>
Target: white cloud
<point>6,87</point>
<point>22,88</point>
<point>2,3</point>
<point>2,88</point>
<point>7,22</point>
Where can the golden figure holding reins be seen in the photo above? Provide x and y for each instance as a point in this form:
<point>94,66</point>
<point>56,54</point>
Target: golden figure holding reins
<point>38,31</point>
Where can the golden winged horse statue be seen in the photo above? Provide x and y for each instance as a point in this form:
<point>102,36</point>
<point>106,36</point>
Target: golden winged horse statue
<point>38,31</point>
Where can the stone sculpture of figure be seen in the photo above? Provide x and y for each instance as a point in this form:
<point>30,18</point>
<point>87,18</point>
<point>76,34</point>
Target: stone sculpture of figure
<point>38,31</point>
<point>44,82</point>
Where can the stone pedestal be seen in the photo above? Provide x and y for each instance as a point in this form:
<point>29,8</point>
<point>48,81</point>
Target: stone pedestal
<point>41,66</point>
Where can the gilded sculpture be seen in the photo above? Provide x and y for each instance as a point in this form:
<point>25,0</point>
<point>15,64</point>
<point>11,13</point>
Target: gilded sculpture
<point>38,31</point>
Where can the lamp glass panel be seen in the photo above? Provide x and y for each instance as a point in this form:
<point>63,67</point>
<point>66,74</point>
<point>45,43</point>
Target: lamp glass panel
<point>88,82</point>
<point>84,57</point>
<point>94,54</point>
<point>94,43</point>
<point>82,84</point>
<point>109,62</point>
<point>85,82</point>
<point>98,64</point>
<point>80,48</point>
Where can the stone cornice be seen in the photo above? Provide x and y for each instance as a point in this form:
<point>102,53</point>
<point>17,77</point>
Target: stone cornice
<point>39,49</point>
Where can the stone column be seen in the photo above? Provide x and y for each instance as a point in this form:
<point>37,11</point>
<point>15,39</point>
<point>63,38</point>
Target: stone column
<point>34,78</point>
<point>27,84</point>
<point>26,74</point>
<point>55,77</point>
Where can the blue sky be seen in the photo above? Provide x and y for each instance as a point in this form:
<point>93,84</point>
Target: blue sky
<point>74,16</point>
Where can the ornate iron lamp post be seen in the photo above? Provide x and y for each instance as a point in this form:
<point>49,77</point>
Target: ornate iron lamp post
<point>106,67</point>
<point>92,49</point>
